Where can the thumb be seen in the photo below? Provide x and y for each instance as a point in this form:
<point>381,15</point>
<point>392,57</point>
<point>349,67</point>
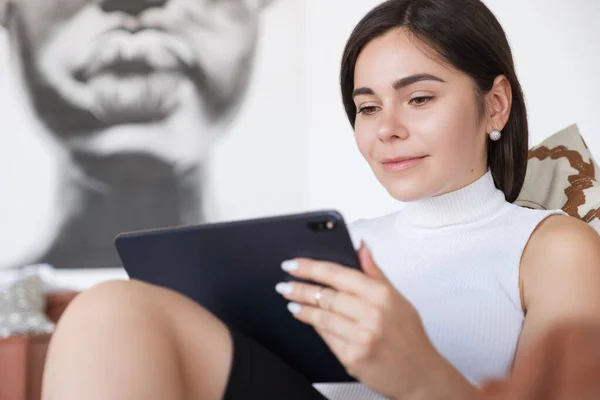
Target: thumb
<point>368,264</point>
<point>493,390</point>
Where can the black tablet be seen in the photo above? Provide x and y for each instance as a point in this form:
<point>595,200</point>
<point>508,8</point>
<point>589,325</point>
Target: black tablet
<point>232,268</point>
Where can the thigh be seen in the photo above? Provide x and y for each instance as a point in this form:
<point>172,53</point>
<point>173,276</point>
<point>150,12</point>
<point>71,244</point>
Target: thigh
<point>127,339</point>
<point>257,373</point>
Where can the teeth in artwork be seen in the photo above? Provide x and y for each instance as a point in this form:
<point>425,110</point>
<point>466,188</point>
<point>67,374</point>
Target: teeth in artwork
<point>123,98</point>
<point>102,88</point>
<point>129,94</point>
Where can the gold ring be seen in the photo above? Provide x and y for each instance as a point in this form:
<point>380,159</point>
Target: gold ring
<point>318,296</point>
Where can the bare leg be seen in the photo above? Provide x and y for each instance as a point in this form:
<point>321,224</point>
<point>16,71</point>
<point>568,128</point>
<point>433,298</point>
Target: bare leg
<point>130,340</point>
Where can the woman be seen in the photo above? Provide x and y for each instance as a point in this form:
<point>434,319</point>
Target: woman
<point>456,286</point>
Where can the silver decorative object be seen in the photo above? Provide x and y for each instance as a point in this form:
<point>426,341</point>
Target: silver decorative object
<point>22,307</point>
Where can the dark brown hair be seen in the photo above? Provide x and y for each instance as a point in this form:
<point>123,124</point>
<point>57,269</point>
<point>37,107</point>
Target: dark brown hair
<point>466,35</point>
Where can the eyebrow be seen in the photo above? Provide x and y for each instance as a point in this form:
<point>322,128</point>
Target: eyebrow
<point>400,83</point>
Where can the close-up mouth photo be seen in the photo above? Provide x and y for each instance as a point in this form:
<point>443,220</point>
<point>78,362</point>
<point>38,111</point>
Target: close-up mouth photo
<point>135,77</point>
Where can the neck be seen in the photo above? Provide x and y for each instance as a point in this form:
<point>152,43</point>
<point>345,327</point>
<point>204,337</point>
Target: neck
<point>469,204</point>
<point>120,195</point>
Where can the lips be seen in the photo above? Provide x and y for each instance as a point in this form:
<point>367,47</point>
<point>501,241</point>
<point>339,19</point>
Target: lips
<point>134,77</point>
<point>136,99</point>
<point>401,163</point>
<point>401,159</point>
<point>123,53</point>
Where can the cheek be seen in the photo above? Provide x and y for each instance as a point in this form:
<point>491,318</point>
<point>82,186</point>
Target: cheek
<point>40,19</point>
<point>449,131</point>
<point>226,29</point>
<point>365,137</point>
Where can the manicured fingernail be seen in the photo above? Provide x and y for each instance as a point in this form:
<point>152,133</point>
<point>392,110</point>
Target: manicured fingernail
<point>367,246</point>
<point>284,288</point>
<point>294,308</point>
<point>289,265</point>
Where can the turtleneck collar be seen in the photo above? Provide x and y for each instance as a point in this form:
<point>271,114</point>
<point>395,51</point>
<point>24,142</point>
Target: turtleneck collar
<point>474,202</point>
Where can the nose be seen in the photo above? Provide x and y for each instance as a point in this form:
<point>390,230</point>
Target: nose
<point>133,7</point>
<point>391,126</point>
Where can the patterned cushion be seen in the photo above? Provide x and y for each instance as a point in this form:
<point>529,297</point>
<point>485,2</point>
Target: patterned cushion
<point>562,174</point>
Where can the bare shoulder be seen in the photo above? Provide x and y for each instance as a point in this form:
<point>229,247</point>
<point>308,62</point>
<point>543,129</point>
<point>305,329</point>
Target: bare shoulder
<point>560,278</point>
<point>561,262</point>
<point>561,237</point>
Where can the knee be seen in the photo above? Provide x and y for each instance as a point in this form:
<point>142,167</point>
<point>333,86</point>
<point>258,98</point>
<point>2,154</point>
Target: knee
<point>109,300</point>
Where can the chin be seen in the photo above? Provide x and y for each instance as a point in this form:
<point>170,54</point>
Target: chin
<point>155,141</point>
<point>405,187</point>
<point>406,194</point>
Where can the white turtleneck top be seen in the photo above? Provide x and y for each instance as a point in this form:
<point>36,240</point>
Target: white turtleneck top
<point>456,258</point>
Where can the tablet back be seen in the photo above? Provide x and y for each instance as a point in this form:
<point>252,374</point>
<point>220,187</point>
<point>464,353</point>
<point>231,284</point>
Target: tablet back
<point>232,268</point>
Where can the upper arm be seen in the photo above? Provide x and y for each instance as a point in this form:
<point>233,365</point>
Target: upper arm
<point>560,277</point>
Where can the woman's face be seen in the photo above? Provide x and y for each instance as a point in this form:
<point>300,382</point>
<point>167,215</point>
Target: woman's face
<point>417,121</point>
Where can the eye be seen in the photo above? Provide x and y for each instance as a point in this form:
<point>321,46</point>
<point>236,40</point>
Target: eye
<point>420,101</point>
<point>368,110</point>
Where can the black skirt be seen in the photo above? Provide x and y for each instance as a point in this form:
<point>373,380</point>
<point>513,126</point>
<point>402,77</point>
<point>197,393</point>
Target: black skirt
<point>257,373</point>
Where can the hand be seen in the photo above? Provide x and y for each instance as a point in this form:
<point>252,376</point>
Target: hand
<point>564,365</point>
<point>372,329</point>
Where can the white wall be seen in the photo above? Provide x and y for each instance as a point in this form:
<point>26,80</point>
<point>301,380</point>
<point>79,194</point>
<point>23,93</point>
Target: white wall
<point>555,45</point>
<point>557,54</point>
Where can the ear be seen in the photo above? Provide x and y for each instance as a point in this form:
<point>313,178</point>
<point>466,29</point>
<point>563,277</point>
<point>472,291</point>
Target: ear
<point>499,104</point>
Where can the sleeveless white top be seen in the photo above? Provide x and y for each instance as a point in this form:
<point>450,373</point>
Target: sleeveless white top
<point>456,258</point>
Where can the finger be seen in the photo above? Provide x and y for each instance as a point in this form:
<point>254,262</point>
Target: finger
<point>368,263</point>
<point>493,390</point>
<point>337,345</point>
<point>339,277</point>
<point>326,321</point>
<point>341,303</point>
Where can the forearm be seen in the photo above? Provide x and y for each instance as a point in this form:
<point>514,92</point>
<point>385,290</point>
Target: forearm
<point>441,381</point>
<point>446,384</point>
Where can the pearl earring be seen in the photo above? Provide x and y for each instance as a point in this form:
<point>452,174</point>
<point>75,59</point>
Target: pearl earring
<point>495,135</point>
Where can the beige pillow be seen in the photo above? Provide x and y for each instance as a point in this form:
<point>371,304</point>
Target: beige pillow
<point>562,174</point>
